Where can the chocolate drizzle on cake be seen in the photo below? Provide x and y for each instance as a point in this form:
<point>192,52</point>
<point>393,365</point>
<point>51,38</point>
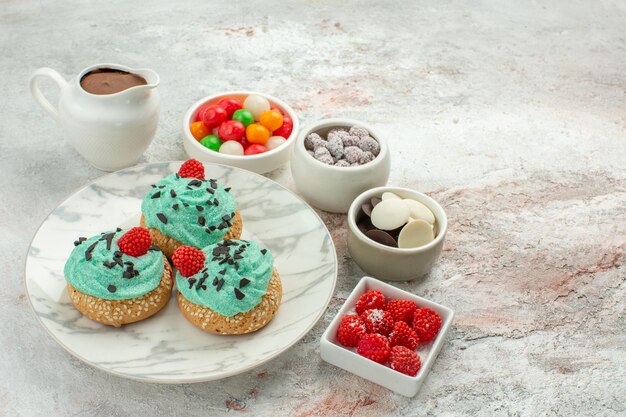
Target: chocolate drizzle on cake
<point>79,241</point>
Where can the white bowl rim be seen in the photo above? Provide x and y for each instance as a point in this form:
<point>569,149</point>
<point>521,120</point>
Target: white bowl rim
<point>227,157</point>
<point>340,121</point>
<point>442,220</point>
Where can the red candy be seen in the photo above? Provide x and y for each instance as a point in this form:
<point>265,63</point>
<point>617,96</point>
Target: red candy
<point>213,116</point>
<point>231,130</point>
<point>244,142</point>
<point>201,110</point>
<point>285,129</point>
<point>231,105</point>
<point>254,149</point>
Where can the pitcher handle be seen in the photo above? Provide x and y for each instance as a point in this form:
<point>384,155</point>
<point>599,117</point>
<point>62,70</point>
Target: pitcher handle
<point>38,95</point>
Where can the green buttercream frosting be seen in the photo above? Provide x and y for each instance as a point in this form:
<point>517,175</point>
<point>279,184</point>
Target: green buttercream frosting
<point>193,211</point>
<point>234,279</point>
<point>93,269</point>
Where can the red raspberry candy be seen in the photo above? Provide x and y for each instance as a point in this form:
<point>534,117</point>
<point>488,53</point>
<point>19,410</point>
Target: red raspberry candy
<point>188,260</point>
<point>403,335</point>
<point>404,360</point>
<point>377,321</point>
<point>135,242</point>
<point>370,299</point>
<point>401,310</point>
<point>191,169</point>
<point>350,330</point>
<point>426,324</point>
<point>375,347</point>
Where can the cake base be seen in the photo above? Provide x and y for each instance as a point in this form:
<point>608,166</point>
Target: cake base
<point>118,312</point>
<point>241,323</point>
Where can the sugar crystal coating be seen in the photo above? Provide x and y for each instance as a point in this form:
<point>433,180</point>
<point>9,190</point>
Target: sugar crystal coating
<point>350,140</point>
<point>358,131</point>
<point>323,155</point>
<point>352,154</point>
<point>369,144</point>
<point>335,146</point>
<point>366,157</point>
<point>343,147</point>
<point>309,141</point>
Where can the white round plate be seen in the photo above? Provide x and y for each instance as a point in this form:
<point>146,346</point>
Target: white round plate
<point>166,347</point>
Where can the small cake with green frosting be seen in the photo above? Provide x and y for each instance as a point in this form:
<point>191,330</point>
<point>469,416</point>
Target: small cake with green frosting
<point>231,287</point>
<point>186,209</point>
<point>118,277</point>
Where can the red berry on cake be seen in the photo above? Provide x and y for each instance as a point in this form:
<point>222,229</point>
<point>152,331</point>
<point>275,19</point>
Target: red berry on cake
<point>188,260</point>
<point>401,310</point>
<point>350,330</point>
<point>375,347</point>
<point>192,169</point>
<point>377,321</point>
<point>426,324</point>
<point>404,360</point>
<point>403,335</point>
<point>135,242</point>
<point>370,299</point>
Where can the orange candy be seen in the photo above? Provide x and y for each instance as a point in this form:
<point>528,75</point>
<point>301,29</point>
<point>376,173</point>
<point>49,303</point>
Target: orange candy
<point>256,133</point>
<point>199,130</point>
<point>271,119</point>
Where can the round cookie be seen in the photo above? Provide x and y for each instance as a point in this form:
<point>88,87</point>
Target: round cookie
<point>241,323</point>
<point>119,277</point>
<point>118,312</point>
<point>231,287</point>
<point>186,209</point>
<point>168,244</point>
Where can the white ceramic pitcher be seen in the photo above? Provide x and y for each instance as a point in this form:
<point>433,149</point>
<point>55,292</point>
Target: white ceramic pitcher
<point>110,131</point>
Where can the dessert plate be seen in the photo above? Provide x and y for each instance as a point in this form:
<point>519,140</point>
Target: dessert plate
<point>166,348</point>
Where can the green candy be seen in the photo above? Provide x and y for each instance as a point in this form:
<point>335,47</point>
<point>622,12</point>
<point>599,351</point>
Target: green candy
<point>243,116</point>
<point>212,142</point>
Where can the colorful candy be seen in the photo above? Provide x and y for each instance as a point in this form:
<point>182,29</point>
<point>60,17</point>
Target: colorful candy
<point>286,129</point>
<point>271,119</point>
<point>254,149</point>
<point>274,142</point>
<point>231,105</point>
<point>213,116</point>
<point>212,142</point>
<point>250,127</point>
<point>199,130</point>
<point>231,147</point>
<point>231,130</point>
<point>257,133</point>
<point>244,116</point>
<point>256,105</point>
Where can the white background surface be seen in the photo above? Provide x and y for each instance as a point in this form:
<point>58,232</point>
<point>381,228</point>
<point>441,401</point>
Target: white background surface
<point>511,114</point>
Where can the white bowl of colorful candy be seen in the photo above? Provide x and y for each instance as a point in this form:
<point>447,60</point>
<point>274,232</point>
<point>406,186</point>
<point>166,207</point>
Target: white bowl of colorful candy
<point>244,129</point>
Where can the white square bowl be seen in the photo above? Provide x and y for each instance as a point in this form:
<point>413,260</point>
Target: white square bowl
<point>347,358</point>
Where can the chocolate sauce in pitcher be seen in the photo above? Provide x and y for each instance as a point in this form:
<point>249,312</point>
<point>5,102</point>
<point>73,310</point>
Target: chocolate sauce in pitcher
<point>105,81</point>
